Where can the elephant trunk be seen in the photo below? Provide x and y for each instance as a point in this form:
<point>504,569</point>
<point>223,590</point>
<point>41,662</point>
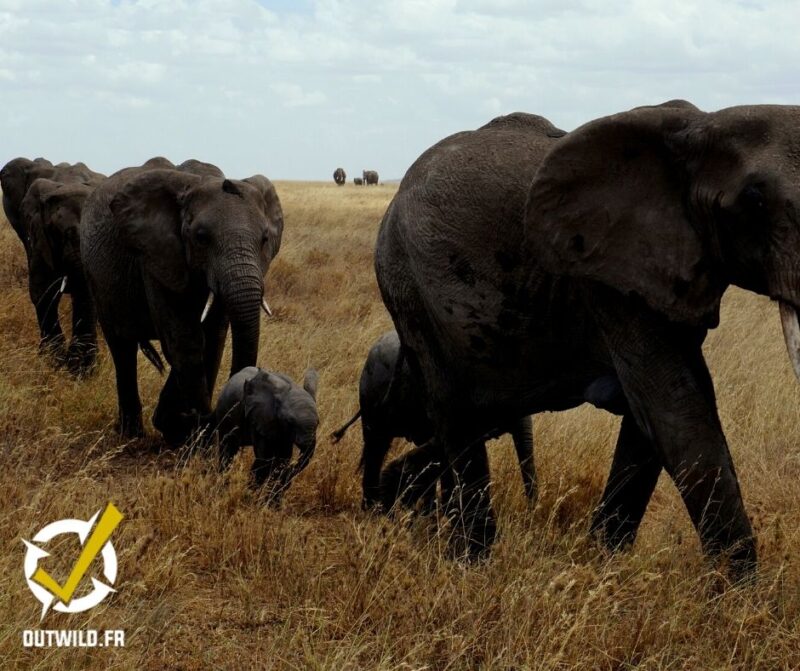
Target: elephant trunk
<point>791,334</point>
<point>242,289</point>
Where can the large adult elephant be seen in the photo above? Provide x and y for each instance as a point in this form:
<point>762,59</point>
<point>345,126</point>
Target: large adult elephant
<point>160,244</point>
<point>51,213</point>
<point>369,177</point>
<point>634,226</point>
<point>17,175</point>
<point>339,176</point>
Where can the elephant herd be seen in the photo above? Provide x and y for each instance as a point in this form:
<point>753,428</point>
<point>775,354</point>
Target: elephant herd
<point>526,269</point>
<point>368,177</point>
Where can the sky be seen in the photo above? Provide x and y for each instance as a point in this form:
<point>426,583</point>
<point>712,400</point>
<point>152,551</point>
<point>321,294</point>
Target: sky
<point>294,89</point>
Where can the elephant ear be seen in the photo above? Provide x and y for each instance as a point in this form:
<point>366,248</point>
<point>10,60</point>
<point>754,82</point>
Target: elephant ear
<point>147,209</point>
<point>32,211</point>
<point>609,202</point>
<point>311,382</point>
<point>271,206</point>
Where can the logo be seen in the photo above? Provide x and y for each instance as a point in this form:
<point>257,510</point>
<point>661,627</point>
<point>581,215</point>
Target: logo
<point>94,535</point>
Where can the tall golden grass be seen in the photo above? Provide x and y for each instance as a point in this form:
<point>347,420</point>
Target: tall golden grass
<point>209,578</point>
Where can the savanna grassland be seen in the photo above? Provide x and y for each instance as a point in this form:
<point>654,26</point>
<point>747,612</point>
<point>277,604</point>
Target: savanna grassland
<point>210,578</point>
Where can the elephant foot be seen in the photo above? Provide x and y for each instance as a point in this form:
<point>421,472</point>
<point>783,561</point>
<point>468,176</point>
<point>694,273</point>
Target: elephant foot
<point>408,480</point>
<point>176,427</point>
<point>81,359</point>
<point>615,533</point>
<point>130,427</point>
<point>53,347</point>
<point>473,535</point>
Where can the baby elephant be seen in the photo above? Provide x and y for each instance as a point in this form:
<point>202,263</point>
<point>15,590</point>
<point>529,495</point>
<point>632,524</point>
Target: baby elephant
<point>273,414</point>
<point>402,414</point>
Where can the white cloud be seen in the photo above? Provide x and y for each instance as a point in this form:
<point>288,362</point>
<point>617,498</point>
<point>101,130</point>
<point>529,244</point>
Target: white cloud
<point>291,89</point>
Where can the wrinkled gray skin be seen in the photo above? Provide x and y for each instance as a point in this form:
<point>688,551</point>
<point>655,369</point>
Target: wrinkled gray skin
<point>358,181</point>
<point>369,177</point>
<point>521,267</point>
<point>50,213</point>
<point>391,406</point>
<point>339,176</point>
<point>16,177</point>
<point>154,242</point>
<point>273,414</point>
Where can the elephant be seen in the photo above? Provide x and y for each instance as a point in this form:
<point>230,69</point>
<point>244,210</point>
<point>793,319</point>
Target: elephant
<point>369,177</point>
<point>50,212</point>
<point>17,175</point>
<point>339,176</point>
<point>358,181</point>
<point>522,265</point>
<point>390,406</point>
<point>272,413</point>
<point>157,246</point>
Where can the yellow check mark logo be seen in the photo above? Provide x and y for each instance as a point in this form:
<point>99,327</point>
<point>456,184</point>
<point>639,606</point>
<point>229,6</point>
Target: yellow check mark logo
<point>109,520</point>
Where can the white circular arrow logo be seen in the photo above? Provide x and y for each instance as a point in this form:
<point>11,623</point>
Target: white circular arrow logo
<point>50,592</point>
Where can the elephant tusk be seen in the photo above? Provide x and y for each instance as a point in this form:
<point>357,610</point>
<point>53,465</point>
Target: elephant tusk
<point>265,307</point>
<point>791,334</point>
<point>209,303</point>
<point>63,284</point>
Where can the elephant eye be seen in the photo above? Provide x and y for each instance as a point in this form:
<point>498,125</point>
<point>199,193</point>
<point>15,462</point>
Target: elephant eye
<point>202,237</point>
<point>753,199</point>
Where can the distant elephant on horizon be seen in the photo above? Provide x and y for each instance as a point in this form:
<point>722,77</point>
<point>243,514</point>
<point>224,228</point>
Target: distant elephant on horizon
<point>179,257</point>
<point>17,175</point>
<point>391,405</point>
<point>339,176</point>
<point>370,177</point>
<point>522,264</point>
<point>358,181</point>
<point>51,213</point>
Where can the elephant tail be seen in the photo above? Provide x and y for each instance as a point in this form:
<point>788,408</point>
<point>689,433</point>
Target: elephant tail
<point>337,435</point>
<point>152,355</point>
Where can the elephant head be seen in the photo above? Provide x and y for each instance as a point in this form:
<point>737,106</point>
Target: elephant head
<point>205,236</point>
<point>672,205</point>
<point>52,212</point>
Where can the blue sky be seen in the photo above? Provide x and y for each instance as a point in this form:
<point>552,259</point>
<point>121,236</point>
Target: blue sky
<point>295,89</point>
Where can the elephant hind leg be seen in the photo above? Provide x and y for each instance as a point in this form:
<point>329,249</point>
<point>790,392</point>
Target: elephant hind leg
<point>412,477</point>
<point>82,351</point>
<point>377,444</point>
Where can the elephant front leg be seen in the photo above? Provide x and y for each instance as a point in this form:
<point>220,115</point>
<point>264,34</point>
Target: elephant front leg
<point>473,518</point>
<point>124,353</point>
<point>633,477</point>
<point>522,433</point>
<point>668,387</point>
<point>185,397</point>
<point>215,330</point>
<point>182,403</point>
<point>271,470</point>
<point>44,288</point>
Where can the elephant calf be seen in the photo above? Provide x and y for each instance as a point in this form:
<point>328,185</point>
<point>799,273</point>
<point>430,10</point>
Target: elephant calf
<point>390,406</point>
<point>272,413</point>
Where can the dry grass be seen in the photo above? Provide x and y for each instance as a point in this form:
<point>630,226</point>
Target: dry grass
<point>211,579</point>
